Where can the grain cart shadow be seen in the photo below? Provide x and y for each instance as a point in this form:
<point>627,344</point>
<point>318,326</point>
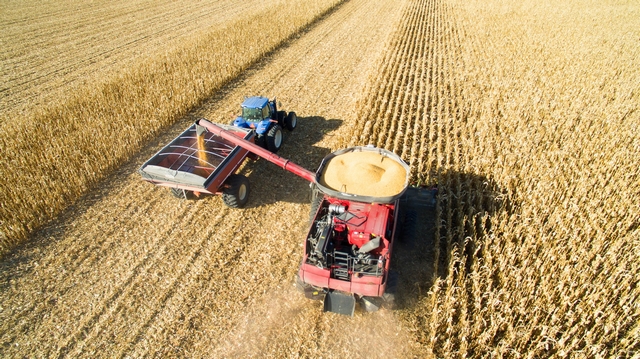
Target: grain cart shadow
<point>436,220</point>
<point>270,183</point>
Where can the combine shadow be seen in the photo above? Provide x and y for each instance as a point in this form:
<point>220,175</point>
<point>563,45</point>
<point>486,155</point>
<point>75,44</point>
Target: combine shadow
<point>270,183</point>
<point>435,222</point>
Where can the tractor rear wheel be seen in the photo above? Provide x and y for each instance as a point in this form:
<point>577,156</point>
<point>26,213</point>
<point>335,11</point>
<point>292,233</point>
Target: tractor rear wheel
<point>274,138</point>
<point>291,121</point>
<point>280,117</point>
<point>236,192</point>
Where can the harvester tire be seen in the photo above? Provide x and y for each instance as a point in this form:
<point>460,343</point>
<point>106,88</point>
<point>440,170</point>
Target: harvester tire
<point>236,192</point>
<point>391,291</point>
<point>291,121</point>
<point>181,193</point>
<point>274,138</point>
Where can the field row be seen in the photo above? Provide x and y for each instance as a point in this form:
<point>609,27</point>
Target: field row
<point>531,142</point>
<point>52,47</point>
<point>409,107</point>
<point>95,128</point>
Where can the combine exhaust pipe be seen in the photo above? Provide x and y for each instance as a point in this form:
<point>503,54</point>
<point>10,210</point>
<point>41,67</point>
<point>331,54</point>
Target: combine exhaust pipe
<point>252,147</point>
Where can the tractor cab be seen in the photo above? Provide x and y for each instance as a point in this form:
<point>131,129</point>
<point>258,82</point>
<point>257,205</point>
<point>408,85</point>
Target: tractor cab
<point>262,116</point>
<point>256,113</point>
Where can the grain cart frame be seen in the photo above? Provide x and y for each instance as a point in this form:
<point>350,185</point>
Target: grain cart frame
<point>198,162</point>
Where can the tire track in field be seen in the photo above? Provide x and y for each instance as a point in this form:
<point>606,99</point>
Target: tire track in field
<point>82,255</point>
<point>91,39</point>
<point>145,285</point>
<point>62,290</point>
<point>179,279</point>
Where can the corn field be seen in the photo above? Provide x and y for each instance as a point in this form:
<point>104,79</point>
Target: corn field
<point>523,114</point>
<point>56,152</point>
<point>532,140</point>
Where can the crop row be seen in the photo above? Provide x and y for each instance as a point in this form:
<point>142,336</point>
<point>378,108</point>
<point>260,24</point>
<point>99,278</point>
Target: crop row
<point>58,152</point>
<point>530,139</point>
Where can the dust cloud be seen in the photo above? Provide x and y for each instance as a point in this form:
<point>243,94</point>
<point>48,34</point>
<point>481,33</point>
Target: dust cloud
<point>283,323</point>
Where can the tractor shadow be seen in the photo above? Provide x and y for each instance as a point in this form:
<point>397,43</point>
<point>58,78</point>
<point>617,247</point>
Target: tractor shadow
<point>270,184</point>
<point>435,222</point>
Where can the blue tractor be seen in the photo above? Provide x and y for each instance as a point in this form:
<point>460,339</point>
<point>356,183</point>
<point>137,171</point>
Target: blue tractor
<point>262,115</point>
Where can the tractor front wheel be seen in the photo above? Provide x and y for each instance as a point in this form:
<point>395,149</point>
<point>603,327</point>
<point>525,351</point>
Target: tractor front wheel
<point>274,138</point>
<point>236,192</point>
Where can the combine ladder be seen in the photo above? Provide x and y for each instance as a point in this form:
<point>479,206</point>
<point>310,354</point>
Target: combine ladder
<point>341,265</point>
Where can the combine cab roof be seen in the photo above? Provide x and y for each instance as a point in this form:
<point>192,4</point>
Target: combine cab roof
<point>255,102</point>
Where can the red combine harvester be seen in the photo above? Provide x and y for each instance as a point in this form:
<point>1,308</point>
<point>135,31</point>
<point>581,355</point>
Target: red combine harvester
<point>348,247</point>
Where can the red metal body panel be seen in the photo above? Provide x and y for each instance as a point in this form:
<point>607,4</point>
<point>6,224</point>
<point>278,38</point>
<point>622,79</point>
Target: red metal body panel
<point>368,285</point>
<point>315,276</point>
<point>226,171</point>
<point>365,285</point>
<point>337,284</point>
<point>377,220</point>
<point>372,220</point>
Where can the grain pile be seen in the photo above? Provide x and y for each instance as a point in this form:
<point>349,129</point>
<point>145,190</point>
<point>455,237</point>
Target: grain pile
<point>364,174</point>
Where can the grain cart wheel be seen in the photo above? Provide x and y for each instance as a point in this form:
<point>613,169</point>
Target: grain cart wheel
<point>236,192</point>
<point>181,193</point>
<point>274,138</point>
<point>291,121</point>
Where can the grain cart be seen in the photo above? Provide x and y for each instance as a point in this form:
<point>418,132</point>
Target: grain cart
<point>263,116</point>
<point>348,246</point>
<point>197,162</point>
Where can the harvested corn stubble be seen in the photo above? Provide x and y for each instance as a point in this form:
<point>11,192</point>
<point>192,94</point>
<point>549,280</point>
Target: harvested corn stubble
<point>364,174</point>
